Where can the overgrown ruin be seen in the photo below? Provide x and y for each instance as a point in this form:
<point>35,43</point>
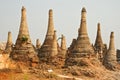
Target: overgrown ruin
<point>23,50</point>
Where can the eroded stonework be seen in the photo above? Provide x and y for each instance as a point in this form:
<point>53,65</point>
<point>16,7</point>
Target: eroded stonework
<point>81,47</point>
<point>23,49</point>
<point>9,44</point>
<point>99,47</point>
<point>49,47</point>
<point>110,60</point>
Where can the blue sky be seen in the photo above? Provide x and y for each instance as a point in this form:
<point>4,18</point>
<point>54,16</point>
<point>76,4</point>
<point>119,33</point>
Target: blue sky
<point>67,14</point>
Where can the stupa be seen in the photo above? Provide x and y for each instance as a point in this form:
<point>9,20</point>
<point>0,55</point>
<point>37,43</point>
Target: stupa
<point>48,48</point>
<point>23,49</point>
<point>110,59</point>
<point>80,47</point>
<point>9,44</point>
<point>99,46</point>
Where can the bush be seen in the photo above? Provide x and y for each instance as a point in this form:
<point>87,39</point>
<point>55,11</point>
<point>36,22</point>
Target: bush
<point>24,38</point>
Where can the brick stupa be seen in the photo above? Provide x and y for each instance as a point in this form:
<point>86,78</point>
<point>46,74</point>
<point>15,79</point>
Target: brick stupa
<point>98,42</point>
<point>81,47</point>
<point>63,46</point>
<point>110,59</point>
<point>99,46</point>
<point>38,45</point>
<point>9,43</point>
<point>48,48</point>
<point>23,49</point>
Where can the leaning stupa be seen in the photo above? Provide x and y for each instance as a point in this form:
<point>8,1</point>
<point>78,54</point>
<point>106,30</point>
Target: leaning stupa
<point>23,49</point>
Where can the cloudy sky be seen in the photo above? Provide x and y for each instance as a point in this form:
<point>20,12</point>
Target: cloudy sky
<point>67,14</point>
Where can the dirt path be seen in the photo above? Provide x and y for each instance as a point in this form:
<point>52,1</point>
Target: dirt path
<point>63,76</point>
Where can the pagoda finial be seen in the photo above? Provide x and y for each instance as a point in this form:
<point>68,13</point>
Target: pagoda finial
<point>38,45</point>
<point>83,9</point>
<point>50,30</point>
<point>83,25</point>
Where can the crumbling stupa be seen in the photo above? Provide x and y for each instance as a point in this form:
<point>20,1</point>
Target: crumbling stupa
<point>23,49</point>
<point>48,49</point>
<point>99,46</point>
<point>54,50</point>
<point>63,46</point>
<point>110,59</point>
<point>9,43</point>
<point>38,45</point>
<point>98,42</point>
<point>81,47</point>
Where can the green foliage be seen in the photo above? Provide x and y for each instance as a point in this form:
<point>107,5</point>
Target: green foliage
<point>26,77</point>
<point>24,38</point>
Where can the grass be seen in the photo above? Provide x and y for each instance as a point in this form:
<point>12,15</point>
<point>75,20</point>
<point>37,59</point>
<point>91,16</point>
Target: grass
<point>26,77</point>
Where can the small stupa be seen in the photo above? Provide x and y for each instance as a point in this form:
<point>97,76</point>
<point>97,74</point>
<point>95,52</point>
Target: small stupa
<point>38,45</point>
<point>98,42</point>
<point>110,59</point>
<point>9,44</point>
<point>63,46</point>
<point>99,46</point>
<point>54,50</point>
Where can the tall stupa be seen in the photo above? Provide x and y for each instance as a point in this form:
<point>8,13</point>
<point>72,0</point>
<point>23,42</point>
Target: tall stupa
<point>49,46</point>
<point>23,49</point>
<point>80,47</point>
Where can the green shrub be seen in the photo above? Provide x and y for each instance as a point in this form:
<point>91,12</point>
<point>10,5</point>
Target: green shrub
<point>24,38</point>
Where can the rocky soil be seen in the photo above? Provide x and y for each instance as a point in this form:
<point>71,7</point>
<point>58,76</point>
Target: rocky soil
<point>90,69</point>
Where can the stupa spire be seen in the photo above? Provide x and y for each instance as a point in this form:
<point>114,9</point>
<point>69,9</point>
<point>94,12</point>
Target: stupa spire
<point>111,44</point>
<point>63,43</point>
<point>83,25</point>
<point>50,30</point>
<point>54,50</point>
<point>98,41</point>
<point>38,45</point>
<point>23,25</point>
<point>63,46</point>
<point>110,59</point>
<point>9,43</point>
<point>83,43</point>
<point>23,30</point>
<point>48,47</point>
<point>23,49</point>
